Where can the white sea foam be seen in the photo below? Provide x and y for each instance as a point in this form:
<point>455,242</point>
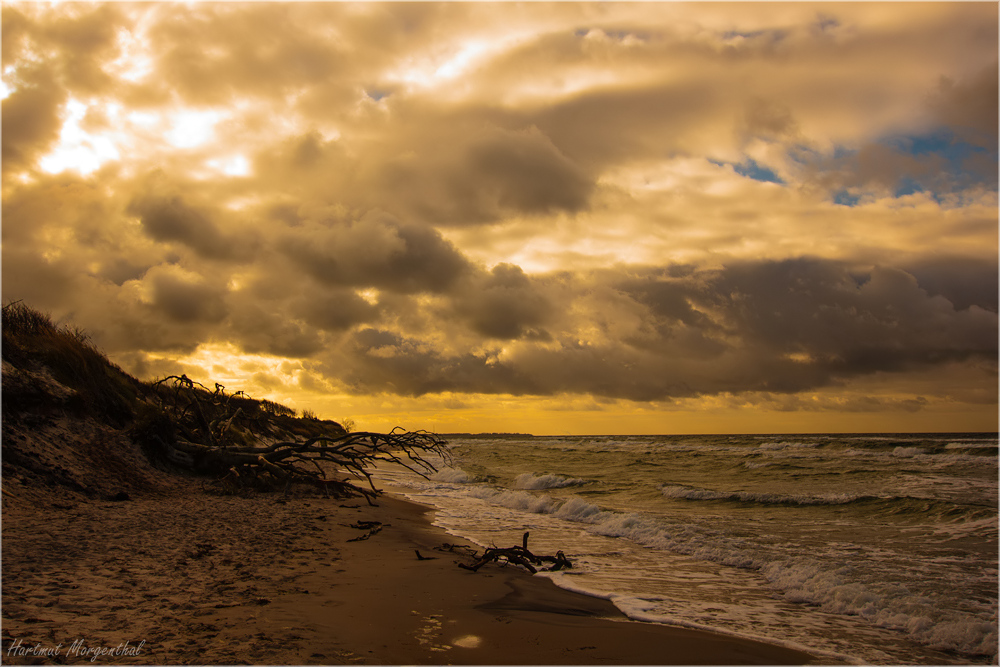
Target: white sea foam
<point>906,452</point>
<point>577,509</point>
<point>894,607</point>
<point>945,460</point>
<point>934,460</point>
<point>451,475</point>
<point>692,493</point>
<point>639,609</point>
<point>531,482</point>
<point>835,590</point>
<point>777,446</point>
<point>519,500</point>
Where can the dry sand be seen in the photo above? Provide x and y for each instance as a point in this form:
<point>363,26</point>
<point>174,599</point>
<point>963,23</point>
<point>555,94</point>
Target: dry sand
<point>187,577</point>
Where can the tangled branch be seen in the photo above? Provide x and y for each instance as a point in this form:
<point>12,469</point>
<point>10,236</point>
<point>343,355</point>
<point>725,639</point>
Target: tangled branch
<point>519,555</point>
<point>259,444</point>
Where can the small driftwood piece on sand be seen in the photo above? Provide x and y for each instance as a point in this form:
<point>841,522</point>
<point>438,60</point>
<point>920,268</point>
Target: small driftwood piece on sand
<point>372,527</point>
<point>520,556</point>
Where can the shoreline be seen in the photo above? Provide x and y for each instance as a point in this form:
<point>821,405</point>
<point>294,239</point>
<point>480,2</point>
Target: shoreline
<point>210,579</point>
<point>530,603</point>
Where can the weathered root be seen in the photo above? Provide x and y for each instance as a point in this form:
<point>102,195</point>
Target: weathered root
<point>223,434</point>
<point>519,555</point>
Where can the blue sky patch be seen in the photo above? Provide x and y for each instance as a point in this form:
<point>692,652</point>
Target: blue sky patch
<point>750,169</point>
<point>845,198</point>
<point>907,186</point>
<point>942,142</point>
<point>937,163</point>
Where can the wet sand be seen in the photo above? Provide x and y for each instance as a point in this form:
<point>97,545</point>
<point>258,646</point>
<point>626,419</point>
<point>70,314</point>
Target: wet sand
<point>189,577</point>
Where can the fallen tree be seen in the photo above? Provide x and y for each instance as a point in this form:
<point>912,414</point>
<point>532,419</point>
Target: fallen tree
<point>259,445</point>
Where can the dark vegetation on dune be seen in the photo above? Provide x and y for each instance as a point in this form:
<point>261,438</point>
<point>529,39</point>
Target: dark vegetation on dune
<point>76,425</point>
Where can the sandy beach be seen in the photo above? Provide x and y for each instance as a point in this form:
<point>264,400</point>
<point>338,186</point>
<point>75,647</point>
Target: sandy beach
<point>190,577</point>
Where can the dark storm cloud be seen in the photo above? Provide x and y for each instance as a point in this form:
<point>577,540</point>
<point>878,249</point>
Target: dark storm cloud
<point>37,280</point>
<point>170,218</point>
<point>524,172</point>
<point>779,327</point>
<point>639,122</point>
<point>504,304</point>
<point>336,310</point>
<point>185,300</point>
<point>31,120</point>
<point>970,106</point>
<point>375,251</point>
<point>849,322</point>
<point>386,361</point>
<point>468,168</point>
<point>258,329</point>
<point>964,282</point>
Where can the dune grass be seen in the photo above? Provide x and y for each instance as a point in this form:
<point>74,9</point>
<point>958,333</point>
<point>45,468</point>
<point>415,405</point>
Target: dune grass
<point>31,340</point>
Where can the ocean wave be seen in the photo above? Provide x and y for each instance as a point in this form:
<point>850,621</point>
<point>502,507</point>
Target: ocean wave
<point>451,476</point>
<point>640,609</point>
<point>943,458</point>
<point>917,508</point>
<point>938,491</point>
<point>907,452</point>
<point>696,493</point>
<point>777,446</point>
<point>835,589</point>
<point>893,607</point>
<point>971,444</point>
<point>531,482</point>
<point>518,500</point>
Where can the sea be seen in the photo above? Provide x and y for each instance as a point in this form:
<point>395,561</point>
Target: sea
<point>860,548</point>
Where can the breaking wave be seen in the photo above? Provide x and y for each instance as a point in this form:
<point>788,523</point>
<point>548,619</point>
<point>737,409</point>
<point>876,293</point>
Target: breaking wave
<point>529,481</point>
<point>835,590</point>
<point>451,476</point>
<point>696,493</point>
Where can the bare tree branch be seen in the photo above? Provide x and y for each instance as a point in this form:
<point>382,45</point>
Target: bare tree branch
<point>246,444</point>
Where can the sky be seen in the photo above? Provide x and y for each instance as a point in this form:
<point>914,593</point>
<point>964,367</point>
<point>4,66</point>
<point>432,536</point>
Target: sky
<point>565,218</point>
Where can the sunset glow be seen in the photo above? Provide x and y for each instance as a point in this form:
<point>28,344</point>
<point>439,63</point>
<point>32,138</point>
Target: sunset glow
<point>545,217</point>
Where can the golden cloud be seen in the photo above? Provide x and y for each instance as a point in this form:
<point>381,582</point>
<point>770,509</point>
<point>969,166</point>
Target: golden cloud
<point>662,202</point>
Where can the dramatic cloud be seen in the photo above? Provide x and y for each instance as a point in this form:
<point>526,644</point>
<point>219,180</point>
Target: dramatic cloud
<point>662,334</point>
<point>170,219</point>
<point>375,251</point>
<point>504,304</point>
<point>513,213</point>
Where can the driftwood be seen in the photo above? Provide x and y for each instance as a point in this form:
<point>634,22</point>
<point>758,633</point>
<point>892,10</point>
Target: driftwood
<point>373,527</point>
<point>245,443</point>
<point>519,555</point>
